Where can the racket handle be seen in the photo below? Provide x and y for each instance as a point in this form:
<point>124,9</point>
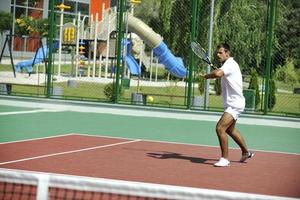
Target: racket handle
<point>212,66</point>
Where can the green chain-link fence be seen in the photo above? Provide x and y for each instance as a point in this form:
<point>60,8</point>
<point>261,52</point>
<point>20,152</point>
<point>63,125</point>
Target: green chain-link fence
<point>87,68</point>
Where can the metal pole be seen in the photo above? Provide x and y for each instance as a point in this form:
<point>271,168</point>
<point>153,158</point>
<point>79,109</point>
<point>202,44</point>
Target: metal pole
<point>271,25</point>
<point>52,25</point>
<point>107,19</point>
<point>210,37</point>
<point>95,43</point>
<point>60,40</point>
<point>77,43</point>
<point>192,62</point>
<point>119,50</point>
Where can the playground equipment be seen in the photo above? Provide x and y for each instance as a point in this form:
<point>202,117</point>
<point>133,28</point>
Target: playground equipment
<point>8,40</point>
<point>39,56</point>
<point>62,7</point>
<point>173,64</point>
<point>135,1</point>
<point>82,58</point>
<point>102,24</point>
<point>133,66</point>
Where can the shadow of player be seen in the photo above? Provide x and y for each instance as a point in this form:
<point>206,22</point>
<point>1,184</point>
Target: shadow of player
<point>171,155</point>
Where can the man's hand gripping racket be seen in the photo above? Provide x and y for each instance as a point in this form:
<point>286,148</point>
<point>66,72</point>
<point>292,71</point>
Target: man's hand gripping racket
<point>200,53</point>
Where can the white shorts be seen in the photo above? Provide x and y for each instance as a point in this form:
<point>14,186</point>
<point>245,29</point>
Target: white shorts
<point>235,112</point>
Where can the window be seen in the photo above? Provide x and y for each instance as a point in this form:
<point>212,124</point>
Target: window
<point>35,3</point>
<point>35,14</point>
<point>83,8</point>
<point>21,2</point>
<point>72,4</point>
<point>20,12</point>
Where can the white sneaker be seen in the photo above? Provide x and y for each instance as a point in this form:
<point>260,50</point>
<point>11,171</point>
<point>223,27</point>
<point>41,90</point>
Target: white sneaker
<point>246,156</point>
<point>223,162</point>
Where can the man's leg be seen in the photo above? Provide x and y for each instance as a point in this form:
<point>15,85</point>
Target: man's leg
<point>224,123</point>
<point>237,137</point>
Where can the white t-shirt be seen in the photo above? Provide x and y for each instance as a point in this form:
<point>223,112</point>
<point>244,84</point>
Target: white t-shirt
<point>232,85</point>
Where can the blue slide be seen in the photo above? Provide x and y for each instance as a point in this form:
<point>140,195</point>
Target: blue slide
<point>132,65</point>
<point>28,64</point>
<point>173,64</point>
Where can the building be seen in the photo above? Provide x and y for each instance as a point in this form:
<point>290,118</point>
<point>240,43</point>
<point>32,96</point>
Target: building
<point>39,9</point>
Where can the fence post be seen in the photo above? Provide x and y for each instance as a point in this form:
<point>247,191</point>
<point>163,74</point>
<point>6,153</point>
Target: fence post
<point>210,40</point>
<point>50,45</point>
<point>119,50</point>
<point>271,24</point>
<point>192,62</point>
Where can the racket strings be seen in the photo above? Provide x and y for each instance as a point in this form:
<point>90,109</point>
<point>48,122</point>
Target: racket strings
<point>198,50</point>
<point>201,53</point>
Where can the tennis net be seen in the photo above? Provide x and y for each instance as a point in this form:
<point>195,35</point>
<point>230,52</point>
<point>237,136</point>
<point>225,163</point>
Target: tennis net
<point>21,185</point>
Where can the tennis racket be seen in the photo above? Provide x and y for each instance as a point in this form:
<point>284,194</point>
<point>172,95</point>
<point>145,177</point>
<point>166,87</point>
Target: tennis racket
<point>201,53</point>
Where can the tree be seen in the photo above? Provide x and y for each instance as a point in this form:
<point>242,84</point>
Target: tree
<point>164,16</point>
<point>147,10</point>
<point>180,23</point>
<point>287,33</point>
<point>203,22</point>
<point>244,32</point>
<point>5,22</point>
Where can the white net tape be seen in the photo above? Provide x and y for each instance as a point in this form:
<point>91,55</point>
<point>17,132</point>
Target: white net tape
<point>44,181</point>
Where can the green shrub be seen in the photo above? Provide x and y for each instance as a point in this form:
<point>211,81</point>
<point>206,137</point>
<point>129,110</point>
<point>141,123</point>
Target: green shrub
<point>5,21</point>
<point>201,84</point>
<point>255,86</point>
<point>272,96</point>
<point>287,73</point>
<point>109,91</point>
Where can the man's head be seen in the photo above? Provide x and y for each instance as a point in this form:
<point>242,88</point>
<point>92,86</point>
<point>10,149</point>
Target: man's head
<point>223,52</point>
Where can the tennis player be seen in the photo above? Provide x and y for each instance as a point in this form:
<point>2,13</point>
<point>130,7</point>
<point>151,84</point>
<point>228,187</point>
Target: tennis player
<point>234,104</point>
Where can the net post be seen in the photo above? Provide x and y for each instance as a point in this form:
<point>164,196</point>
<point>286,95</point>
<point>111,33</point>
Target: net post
<point>43,187</point>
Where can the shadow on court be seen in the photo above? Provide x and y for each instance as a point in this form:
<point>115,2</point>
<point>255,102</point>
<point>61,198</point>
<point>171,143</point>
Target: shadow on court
<point>170,155</point>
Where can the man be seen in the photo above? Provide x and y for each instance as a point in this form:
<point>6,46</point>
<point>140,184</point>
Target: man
<point>234,104</point>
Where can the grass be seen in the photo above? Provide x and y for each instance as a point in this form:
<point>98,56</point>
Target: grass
<point>287,103</point>
<point>168,97</point>
<point>172,96</point>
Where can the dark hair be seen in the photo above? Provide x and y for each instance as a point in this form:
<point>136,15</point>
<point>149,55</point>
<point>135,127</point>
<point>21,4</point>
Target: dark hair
<point>225,46</point>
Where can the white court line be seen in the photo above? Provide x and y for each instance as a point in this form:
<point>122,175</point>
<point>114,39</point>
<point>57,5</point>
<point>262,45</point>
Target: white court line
<point>28,111</point>
<point>188,144</point>
<point>40,138</point>
<point>68,152</point>
<point>171,113</point>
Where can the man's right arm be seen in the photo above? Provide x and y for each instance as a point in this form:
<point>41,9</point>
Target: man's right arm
<point>217,73</point>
